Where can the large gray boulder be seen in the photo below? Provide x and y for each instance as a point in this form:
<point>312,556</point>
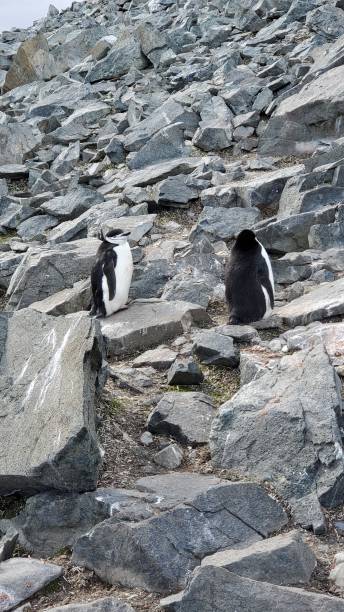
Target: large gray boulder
<point>16,141</point>
<point>32,62</point>
<point>302,119</point>
<point>72,204</point>
<point>21,578</point>
<point>176,540</point>
<point>125,54</point>
<point>48,374</point>
<point>326,300</point>
<point>47,270</point>
<point>148,323</point>
<point>224,223</point>
<point>282,428</point>
<point>284,559</point>
<point>212,588</point>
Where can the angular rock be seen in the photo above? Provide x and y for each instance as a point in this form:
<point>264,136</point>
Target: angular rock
<point>213,136</point>
<point>148,323</point>
<point>9,262</point>
<point>326,300</point>
<point>7,545</point>
<point>47,270</point>
<point>215,348</point>
<point>50,438</point>
<point>21,578</point>
<point>305,117</point>
<point>213,587</point>
<point>166,144</point>
<point>223,224</point>
<point>158,172</point>
<point>16,141</point>
<point>284,559</point>
<point>160,358</point>
<point>72,204</point>
<point>176,540</point>
<point>32,62</point>
<point>106,604</point>
<point>125,55</point>
<point>184,372</point>
<point>34,228</point>
<point>169,457</point>
<point>297,402</point>
<point>67,301</point>
<point>185,416</point>
<point>137,225</point>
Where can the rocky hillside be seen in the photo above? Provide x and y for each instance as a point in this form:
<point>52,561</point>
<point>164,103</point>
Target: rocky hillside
<point>161,459</point>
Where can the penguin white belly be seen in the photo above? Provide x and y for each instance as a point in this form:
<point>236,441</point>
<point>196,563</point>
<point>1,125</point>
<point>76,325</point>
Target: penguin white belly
<point>268,263</point>
<point>268,310</point>
<point>123,273</point>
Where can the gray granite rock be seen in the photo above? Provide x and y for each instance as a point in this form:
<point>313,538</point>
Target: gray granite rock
<point>223,224</point>
<point>21,578</point>
<point>322,302</point>
<point>185,372</point>
<point>215,348</point>
<point>106,604</point>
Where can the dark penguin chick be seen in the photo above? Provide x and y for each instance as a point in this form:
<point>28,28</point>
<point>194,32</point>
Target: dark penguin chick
<point>249,280</point>
<point>111,274</point>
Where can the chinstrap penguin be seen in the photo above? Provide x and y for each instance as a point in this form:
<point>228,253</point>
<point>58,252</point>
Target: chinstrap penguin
<point>249,280</point>
<point>111,274</point>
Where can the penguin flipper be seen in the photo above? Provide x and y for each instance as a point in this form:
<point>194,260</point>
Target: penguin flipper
<point>109,268</point>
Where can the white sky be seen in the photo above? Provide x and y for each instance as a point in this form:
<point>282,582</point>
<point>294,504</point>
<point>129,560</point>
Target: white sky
<point>22,13</point>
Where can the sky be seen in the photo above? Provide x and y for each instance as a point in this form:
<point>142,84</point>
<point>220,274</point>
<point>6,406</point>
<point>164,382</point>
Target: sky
<point>21,13</point>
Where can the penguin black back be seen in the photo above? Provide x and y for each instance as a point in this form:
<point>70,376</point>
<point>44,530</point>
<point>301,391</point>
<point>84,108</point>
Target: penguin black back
<point>248,280</point>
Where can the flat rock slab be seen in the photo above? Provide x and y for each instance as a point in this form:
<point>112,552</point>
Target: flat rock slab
<point>327,300</point>
<point>212,588</point>
<point>67,301</point>
<point>21,578</point>
<point>160,358</point>
<point>175,541</point>
<point>7,545</point>
<point>185,416</point>
<point>48,371</point>
<point>47,270</point>
<point>147,323</point>
<point>106,604</point>
<point>284,559</point>
<point>14,171</point>
<point>224,223</point>
<point>289,411</point>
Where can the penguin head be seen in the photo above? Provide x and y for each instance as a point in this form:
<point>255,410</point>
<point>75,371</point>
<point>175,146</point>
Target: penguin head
<point>246,240</point>
<point>115,237</point>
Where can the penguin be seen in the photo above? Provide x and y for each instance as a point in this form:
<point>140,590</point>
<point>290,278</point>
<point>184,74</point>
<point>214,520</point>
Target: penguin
<point>249,280</point>
<point>111,274</point>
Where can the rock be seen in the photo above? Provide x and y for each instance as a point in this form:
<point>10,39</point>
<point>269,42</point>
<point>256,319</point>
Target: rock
<point>125,55</point>
<point>72,204</point>
<point>150,278</point>
<point>102,47</point>
<point>166,144</point>
<point>106,604</point>
<point>67,160</point>
<point>304,118</point>
<point>287,401</point>
<point>213,348</point>
<point>158,172</point>
<point>32,62</point>
<point>239,333</point>
<point>21,578</point>
<point>169,457</point>
<point>148,323</point>
<point>187,289</point>
<point>185,416</point>
<point>283,559</point>
<point>213,137</point>
<point>160,358</point>
<point>47,270</point>
<point>7,545</point>
<point>324,301</point>
<point>17,140</point>
<point>34,228</point>
<point>213,587</point>
<point>8,265</point>
<point>337,573</point>
<point>14,171</point>
<point>212,517</point>
<point>48,444</point>
<point>137,225</point>
<point>146,439</point>
<point>171,112</point>
<point>184,372</point>
<point>223,224</point>
<point>53,521</point>
<point>328,20</point>
<point>67,301</point>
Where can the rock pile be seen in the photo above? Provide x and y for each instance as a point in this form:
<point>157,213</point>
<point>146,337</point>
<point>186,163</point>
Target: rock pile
<point>162,452</point>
